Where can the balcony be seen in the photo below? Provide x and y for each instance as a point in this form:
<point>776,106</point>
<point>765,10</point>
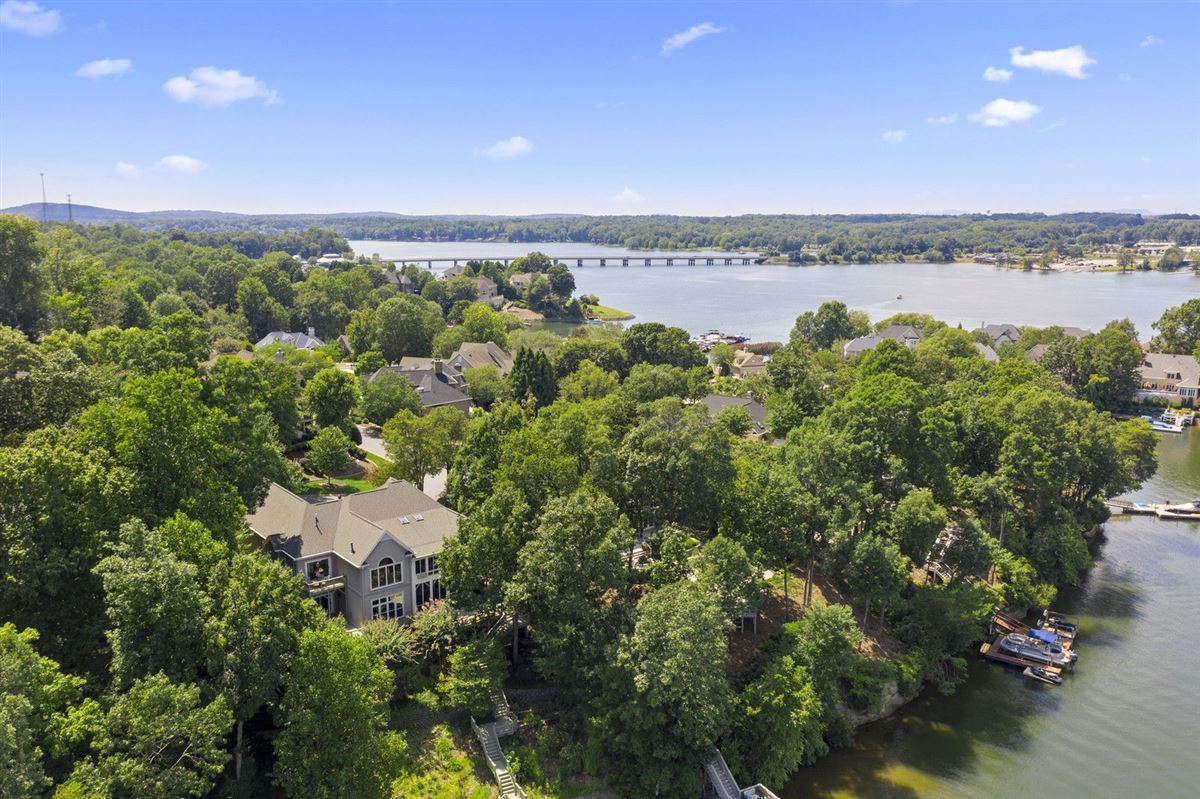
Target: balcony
<point>325,586</point>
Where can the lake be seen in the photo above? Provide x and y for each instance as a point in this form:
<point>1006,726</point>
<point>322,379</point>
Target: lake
<point>762,302</point>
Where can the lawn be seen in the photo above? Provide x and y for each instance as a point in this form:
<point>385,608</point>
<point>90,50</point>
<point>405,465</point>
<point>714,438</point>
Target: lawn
<point>603,312</point>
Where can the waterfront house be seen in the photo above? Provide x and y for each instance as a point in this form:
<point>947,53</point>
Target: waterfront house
<point>453,271</point>
<point>1175,378</point>
<point>1076,332</point>
<point>485,288</point>
<point>472,354</point>
<point>521,281</point>
<point>364,556</point>
<point>715,403</point>
<point>745,364</point>
<point>987,352</point>
<point>1001,334</point>
<point>907,335</point>
<point>1037,352</point>
<point>301,341</point>
<point>1153,248</point>
<point>437,384</point>
<point>400,280</point>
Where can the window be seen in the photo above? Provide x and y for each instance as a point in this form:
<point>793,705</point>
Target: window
<point>429,591</point>
<point>385,574</point>
<point>426,565</point>
<point>316,570</point>
<point>388,607</point>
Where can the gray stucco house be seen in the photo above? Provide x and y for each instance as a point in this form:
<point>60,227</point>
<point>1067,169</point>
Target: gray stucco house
<point>364,556</point>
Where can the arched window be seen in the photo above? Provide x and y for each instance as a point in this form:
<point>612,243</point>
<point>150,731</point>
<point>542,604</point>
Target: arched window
<point>386,573</point>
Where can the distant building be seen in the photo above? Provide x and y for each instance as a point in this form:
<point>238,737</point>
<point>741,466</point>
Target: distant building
<point>400,281</point>
<point>365,556</point>
<point>521,281</point>
<point>471,355</point>
<point>907,335</point>
<point>1037,352</point>
<point>1153,248</point>
<point>746,364</point>
<point>987,352</point>
<point>330,258</point>
<point>1001,334</point>
<point>437,384</point>
<point>715,403</point>
<point>301,341</point>
<point>453,271</point>
<point>1076,332</point>
<point>485,287</point>
<point>1175,378</point>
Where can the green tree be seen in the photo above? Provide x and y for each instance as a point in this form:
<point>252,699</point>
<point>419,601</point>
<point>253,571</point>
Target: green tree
<point>779,723</point>
<point>1178,329</point>
<point>259,613</point>
<point>724,569</point>
<point>328,452</point>
<point>653,342</point>
<point>877,572</point>
<point>387,395</point>
<point>720,357</point>
<point>567,580</point>
<point>22,283</point>
<point>831,322</point>
<point>587,381</point>
<point>331,395</point>
<point>562,282</point>
<point>155,606</point>
<point>263,313</point>
<point>406,325</point>
<point>485,386</point>
<point>917,521</point>
<point>533,377</point>
<point>473,672</point>
<point>157,740</point>
<point>34,694</point>
<point>673,689</point>
<point>824,641</point>
<point>336,692</point>
<point>481,323</point>
<point>1109,362</point>
<point>421,445</point>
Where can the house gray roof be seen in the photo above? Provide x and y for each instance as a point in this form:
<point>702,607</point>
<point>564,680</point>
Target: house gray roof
<point>473,354</point>
<point>520,280</point>
<point>485,283</point>
<point>352,526</point>
<point>454,271</point>
<point>860,344</point>
<point>718,402</point>
<point>1001,333</point>
<point>301,341</point>
<point>1076,332</point>
<point>436,384</point>
<point>1160,365</point>
<point>398,278</point>
<point>1036,352</point>
<point>987,352</point>
<point>901,333</point>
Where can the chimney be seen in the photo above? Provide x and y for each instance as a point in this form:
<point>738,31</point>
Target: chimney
<point>312,332</point>
<point>278,356</point>
<point>437,366</point>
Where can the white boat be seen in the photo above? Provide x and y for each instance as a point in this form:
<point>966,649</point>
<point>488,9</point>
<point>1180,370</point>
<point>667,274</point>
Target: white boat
<point>1041,675</point>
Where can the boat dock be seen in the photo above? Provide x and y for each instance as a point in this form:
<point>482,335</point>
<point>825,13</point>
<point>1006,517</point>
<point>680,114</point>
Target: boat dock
<point>991,651</point>
<point>1003,624</point>
<point>1163,510</point>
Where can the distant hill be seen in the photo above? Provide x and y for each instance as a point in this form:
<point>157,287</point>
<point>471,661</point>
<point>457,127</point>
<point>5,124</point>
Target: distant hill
<point>58,212</point>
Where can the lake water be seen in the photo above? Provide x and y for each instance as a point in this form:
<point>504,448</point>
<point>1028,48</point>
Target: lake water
<point>762,302</point>
<point>1126,721</point>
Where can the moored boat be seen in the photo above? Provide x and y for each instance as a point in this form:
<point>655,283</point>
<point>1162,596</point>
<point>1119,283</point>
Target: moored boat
<point>1041,675</point>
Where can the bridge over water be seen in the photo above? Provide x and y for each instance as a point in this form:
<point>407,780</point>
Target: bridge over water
<point>599,260</point>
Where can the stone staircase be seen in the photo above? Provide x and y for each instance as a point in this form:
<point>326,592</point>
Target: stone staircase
<point>489,735</point>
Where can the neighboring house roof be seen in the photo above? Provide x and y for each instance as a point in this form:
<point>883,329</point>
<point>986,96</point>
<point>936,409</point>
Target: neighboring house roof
<point>483,283</point>
<point>987,352</point>
<point>1076,332</point>
<point>744,360</point>
<point>860,344</point>
<point>520,280</point>
<point>905,334</point>
<point>241,355</point>
<point>301,341</point>
<point>353,525</point>
<point>1001,333</point>
<point>718,402</point>
<point>1037,352</point>
<point>436,384</point>
<point>1183,369</point>
<point>472,354</point>
<point>398,278</point>
<point>454,271</point>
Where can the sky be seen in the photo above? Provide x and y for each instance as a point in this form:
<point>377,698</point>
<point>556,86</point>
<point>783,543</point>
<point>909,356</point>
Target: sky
<point>607,108</point>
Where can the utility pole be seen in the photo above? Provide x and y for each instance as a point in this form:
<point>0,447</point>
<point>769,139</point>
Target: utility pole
<point>70,213</point>
<point>43,176</point>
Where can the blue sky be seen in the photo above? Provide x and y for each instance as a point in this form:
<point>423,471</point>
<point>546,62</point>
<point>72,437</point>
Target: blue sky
<point>602,108</point>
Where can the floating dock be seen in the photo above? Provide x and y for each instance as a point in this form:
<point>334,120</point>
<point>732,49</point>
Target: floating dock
<point>1162,510</point>
<point>1003,624</point>
<point>991,651</point>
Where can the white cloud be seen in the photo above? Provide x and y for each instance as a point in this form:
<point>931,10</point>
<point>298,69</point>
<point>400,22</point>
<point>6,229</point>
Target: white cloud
<point>183,164</point>
<point>127,170</point>
<point>508,148</point>
<point>895,136</point>
<point>997,75</point>
<point>627,196</point>
<point>1001,113</point>
<point>29,18</point>
<point>944,119</point>
<point>1125,77</point>
<point>215,87</point>
<point>1145,159</point>
<point>1054,125</point>
<point>104,67</point>
<point>684,38</point>
<point>1069,61</point>
<point>1150,41</point>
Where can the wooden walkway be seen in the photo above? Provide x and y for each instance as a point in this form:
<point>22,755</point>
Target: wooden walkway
<point>722,785</point>
<point>489,736</point>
